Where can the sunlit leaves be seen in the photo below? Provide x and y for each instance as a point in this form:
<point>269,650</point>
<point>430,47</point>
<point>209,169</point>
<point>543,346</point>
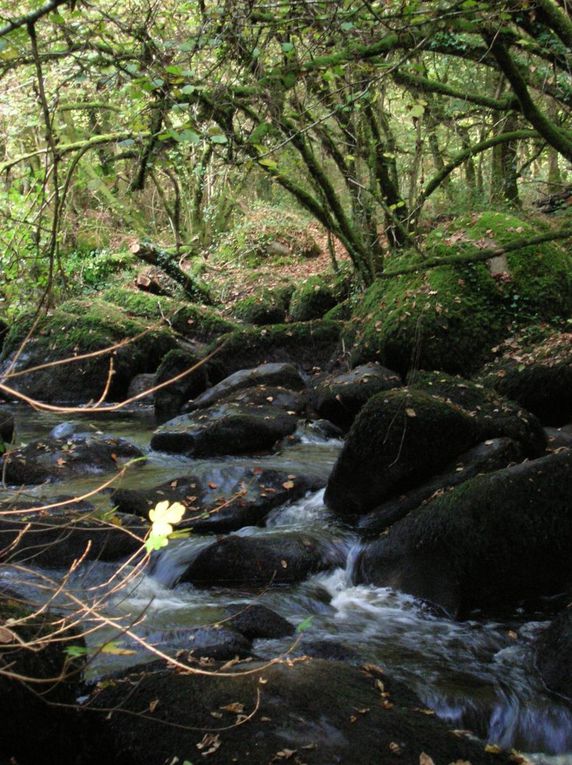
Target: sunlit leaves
<point>162,517</point>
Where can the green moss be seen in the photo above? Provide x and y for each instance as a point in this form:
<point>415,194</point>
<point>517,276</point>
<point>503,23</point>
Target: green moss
<point>308,344</point>
<point>538,279</point>
<point>185,318</point>
<point>446,318</point>
<point>314,297</point>
<point>265,307</point>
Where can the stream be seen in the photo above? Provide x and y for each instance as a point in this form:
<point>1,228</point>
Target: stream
<point>475,674</point>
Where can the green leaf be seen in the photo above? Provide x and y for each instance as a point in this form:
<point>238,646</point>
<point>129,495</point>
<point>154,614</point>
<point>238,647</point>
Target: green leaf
<point>287,47</point>
<point>269,163</point>
<point>305,624</point>
<point>156,542</point>
<point>219,138</point>
<point>75,651</point>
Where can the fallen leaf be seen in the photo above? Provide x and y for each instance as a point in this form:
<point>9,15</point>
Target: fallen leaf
<point>6,635</point>
<point>493,749</point>
<point>209,744</point>
<point>235,708</point>
<point>395,748</point>
<point>410,412</point>
<point>424,759</point>
<point>153,705</point>
<point>288,485</point>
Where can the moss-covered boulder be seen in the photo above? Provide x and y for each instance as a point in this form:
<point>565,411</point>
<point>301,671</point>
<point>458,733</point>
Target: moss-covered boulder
<point>306,344</point>
<point>315,711</point>
<point>554,654</point>
<point>339,398</point>
<point>266,307</point>
<point>224,429</point>
<point>399,439</point>
<point>192,321</point>
<point>78,328</point>
<point>314,296</point>
<point>449,318</point>
<point>535,368</point>
<point>496,416</point>
<point>445,318</point>
<point>188,380</point>
<point>494,541</point>
<point>535,281</point>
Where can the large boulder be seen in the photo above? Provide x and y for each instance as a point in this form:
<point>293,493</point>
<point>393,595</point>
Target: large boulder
<point>305,344</point>
<point>255,621</point>
<point>57,459</point>
<point>195,323</point>
<point>339,397</point>
<point>224,429</point>
<point>309,711</point>
<point>534,368</point>
<point>497,417</point>
<point>450,317</point>
<point>80,328</point>
<point>495,540</point>
<point>554,654</point>
<point>276,374</point>
<point>226,498</point>
<point>399,439</point>
<point>487,457</point>
<point>445,318</point>
<point>236,561</point>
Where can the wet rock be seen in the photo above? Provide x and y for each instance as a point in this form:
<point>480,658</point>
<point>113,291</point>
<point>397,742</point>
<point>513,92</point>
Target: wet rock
<point>283,375</point>
<point>484,458</point>
<point>496,540</point>
<point>6,426</point>
<point>315,711</point>
<point>559,438</point>
<point>226,499</point>
<point>340,397</point>
<point>139,384</point>
<point>236,561</point>
<point>264,395</point>
<point>224,429</point>
<point>328,649</point>
<point>399,439</point>
<point>255,621</point>
<point>219,643</point>
<point>57,459</point>
<point>169,400</point>
<point>58,536</point>
<point>554,654</point>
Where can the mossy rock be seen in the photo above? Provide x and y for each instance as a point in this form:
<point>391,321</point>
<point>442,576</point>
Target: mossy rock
<point>535,369</point>
<point>496,416</point>
<point>535,281</point>
<point>80,327</point>
<point>314,297</point>
<point>265,307</point>
<point>307,344</point>
<point>190,320</point>
<point>493,541</point>
<point>445,318</point>
<point>340,312</point>
<point>400,438</point>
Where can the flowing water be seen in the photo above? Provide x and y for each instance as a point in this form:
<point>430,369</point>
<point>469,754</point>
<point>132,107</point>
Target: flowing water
<point>476,674</point>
